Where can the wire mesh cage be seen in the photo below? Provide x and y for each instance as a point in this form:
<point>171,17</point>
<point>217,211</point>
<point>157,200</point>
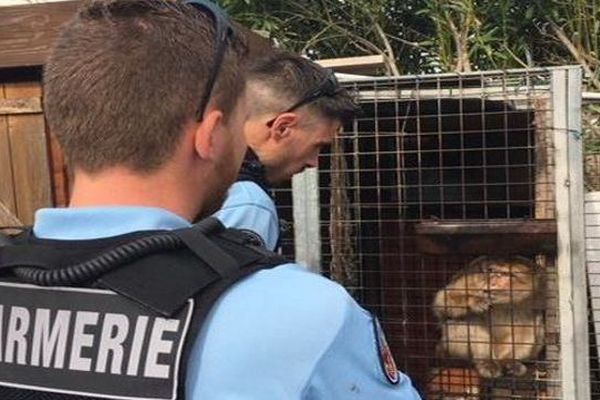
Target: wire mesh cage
<point>591,132</point>
<point>436,210</point>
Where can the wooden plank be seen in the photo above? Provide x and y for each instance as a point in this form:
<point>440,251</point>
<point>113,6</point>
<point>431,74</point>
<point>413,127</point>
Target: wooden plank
<point>484,227</point>
<point>574,340</point>
<point>28,31</point>
<point>30,165</point>
<point>19,90</point>
<point>491,244</point>
<point>579,302</point>
<point>564,284</point>
<point>28,105</point>
<point>7,218</point>
<point>29,155</point>
<point>545,209</point>
<point>368,65</point>
<point>307,234</point>
<point>51,156</point>
<point>7,189</point>
<point>411,93</point>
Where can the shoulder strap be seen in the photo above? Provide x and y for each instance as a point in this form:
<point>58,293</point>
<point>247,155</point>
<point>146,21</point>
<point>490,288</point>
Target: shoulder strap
<point>161,280</point>
<point>250,258</point>
<point>209,261</point>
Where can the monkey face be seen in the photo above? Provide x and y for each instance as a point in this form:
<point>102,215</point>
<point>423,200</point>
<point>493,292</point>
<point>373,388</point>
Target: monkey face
<point>486,283</point>
<point>509,277</point>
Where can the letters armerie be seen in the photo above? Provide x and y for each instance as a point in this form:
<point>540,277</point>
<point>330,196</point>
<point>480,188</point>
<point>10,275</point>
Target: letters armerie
<point>85,332</point>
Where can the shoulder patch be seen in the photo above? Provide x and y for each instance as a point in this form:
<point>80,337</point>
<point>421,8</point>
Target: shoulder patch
<point>386,359</point>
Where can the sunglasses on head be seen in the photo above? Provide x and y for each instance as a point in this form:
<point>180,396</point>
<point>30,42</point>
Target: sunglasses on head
<point>329,87</point>
<point>223,30</point>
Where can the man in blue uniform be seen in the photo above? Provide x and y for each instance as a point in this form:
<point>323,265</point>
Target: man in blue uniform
<point>152,128</point>
<point>296,108</point>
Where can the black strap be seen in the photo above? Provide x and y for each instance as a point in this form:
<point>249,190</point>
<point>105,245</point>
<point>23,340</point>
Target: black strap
<point>36,256</point>
<point>161,282</point>
<point>208,251</point>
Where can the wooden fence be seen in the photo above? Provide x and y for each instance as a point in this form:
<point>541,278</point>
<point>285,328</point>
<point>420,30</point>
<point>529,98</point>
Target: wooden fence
<point>25,163</point>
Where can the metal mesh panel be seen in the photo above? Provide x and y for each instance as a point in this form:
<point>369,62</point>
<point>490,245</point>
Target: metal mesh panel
<point>591,131</point>
<point>436,172</point>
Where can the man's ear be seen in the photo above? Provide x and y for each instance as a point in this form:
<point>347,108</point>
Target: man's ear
<point>205,131</point>
<point>283,124</point>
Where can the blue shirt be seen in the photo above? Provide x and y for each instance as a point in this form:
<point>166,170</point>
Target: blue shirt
<point>248,207</point>
<point>282,333</point>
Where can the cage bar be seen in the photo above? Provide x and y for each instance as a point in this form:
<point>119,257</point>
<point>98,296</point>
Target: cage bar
<point>566,85</point>
<point>307,236</point>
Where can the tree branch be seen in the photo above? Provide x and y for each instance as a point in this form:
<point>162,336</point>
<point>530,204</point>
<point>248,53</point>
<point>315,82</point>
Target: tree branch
<point>581,59</point>
<point>390,57</point>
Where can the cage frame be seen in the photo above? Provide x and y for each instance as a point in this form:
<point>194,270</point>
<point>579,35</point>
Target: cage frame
<point>571,257</point>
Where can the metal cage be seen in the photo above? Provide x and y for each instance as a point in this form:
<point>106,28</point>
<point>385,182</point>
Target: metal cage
<point>437,172</point>
<point>591,135</point>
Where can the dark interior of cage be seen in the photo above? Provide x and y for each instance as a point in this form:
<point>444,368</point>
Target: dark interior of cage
<point>429,186</point>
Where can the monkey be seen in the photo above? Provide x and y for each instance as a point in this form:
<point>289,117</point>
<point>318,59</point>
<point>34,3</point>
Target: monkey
<point>491,313</point>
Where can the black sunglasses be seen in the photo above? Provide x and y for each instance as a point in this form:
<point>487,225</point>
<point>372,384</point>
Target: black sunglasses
<point>328,88</point>
<point>223,30</point>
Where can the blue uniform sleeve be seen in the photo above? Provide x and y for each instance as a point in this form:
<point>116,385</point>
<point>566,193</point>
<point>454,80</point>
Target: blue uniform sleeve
<point>248,207</point>
<point>352,366</point>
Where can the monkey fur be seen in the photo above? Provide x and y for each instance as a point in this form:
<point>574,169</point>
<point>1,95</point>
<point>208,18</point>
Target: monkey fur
<point>491,312</point>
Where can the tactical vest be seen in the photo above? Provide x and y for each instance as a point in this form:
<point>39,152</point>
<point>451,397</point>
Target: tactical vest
<point>113,318</point>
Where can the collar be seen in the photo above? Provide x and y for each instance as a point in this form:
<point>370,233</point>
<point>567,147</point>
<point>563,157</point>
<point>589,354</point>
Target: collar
<point>100,222</point>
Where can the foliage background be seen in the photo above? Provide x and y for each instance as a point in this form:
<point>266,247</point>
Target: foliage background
<point>419,36</point>
<point>427,36</point>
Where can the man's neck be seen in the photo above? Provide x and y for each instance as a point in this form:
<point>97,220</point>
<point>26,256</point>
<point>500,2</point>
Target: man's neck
<point>122,187</point>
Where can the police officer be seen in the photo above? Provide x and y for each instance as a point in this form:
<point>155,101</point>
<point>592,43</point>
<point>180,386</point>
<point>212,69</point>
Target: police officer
<point>147,100</point>
<point>296,108</point>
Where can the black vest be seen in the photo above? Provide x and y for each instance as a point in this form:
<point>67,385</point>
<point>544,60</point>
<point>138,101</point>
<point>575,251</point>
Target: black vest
<point>113,318</point>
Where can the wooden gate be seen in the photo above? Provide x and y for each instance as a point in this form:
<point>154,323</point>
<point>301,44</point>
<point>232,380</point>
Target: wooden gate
<point>25,181</point>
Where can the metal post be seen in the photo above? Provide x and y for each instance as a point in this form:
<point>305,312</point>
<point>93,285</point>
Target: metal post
<point>572,293</point>
<point>307,232</point>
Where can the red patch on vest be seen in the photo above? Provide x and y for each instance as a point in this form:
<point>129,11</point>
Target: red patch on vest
<point>386,359</point>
